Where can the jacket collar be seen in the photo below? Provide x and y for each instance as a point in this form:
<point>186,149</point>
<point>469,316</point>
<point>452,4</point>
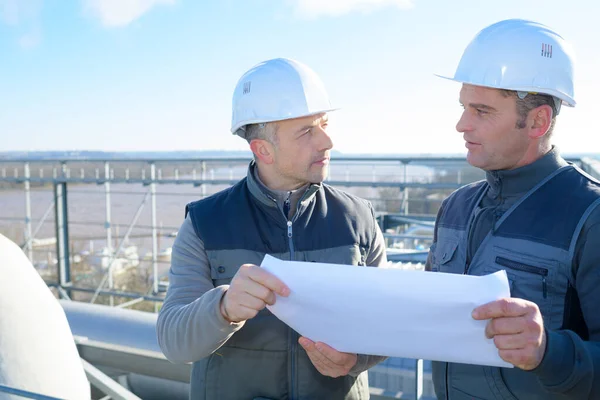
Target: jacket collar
<point>517,181</point>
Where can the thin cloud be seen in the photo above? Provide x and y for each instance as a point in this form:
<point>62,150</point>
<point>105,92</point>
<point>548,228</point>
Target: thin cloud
<point>316,8</point>
<point>118,13</point>
<point>30,40</point>
<point>24,16</point>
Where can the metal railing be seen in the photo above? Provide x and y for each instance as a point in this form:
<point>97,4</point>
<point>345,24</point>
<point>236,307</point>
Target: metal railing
<point>382,172</point>
<point>372,172</point>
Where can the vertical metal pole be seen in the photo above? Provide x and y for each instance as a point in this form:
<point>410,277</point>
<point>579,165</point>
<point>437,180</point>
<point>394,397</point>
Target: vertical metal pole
<point>203,187</point>
<point>154,235</point>
<point>28,235</point>
<point>419,380</point>
<point>108,228</point>
<point>405,191</point>
<point>61,222</point>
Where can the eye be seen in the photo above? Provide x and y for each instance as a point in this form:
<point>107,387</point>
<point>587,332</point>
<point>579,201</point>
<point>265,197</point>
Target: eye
<point>480,111</point>
<point>305,132</point>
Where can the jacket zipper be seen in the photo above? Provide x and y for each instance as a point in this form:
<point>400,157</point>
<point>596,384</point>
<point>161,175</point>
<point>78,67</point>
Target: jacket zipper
<point>543,272</point>
<point>293,336</point>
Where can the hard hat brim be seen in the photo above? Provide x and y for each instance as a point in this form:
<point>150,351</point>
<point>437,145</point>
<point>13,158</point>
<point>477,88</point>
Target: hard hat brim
<point>566,100</point>
<point>239,126</point>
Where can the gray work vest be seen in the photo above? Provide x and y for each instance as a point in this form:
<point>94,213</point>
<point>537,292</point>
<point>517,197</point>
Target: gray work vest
<point>239,226</point>
<point>534,242</point>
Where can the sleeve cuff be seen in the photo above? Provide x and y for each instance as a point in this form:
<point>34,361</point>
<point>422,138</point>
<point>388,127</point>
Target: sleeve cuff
<point>364,362</point>
<point>222,324</point>
<point>557,365</point>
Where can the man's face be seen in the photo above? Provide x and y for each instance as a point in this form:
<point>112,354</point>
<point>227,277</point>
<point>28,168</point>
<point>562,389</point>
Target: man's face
<point>488,125</point>
<point>301,151</point>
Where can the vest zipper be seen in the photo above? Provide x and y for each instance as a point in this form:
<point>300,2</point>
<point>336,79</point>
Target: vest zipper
<point>293,335</point>
<point>294,341</point>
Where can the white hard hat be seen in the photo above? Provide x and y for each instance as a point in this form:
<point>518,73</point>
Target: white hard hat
<point>519,55</point>
<point>275,90</point>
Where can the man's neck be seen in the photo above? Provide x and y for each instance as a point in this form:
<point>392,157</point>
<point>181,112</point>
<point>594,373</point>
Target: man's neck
<point>275,183</point>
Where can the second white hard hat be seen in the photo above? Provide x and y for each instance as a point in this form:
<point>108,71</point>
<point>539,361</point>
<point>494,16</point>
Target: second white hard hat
<point>519,55</point>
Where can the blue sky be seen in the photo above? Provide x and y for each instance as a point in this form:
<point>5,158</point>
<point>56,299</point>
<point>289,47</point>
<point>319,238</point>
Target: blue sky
<point>133,75</point>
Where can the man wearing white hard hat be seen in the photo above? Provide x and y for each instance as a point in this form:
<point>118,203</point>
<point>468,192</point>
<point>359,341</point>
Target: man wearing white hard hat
<point>535,216</point>
<point>214,313</point>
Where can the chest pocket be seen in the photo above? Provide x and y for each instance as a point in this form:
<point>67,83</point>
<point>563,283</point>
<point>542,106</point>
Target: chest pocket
<point>224,264</point>
<point>446,257</point>
<point>531,278</point>
<point>222,274</point>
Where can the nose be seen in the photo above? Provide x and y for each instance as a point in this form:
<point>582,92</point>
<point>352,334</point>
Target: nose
<point>464,123</point>
<point>324,140</point>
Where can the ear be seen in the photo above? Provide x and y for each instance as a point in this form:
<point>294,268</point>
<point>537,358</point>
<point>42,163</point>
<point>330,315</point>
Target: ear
<point>541,121</point>
<point>263,150</point>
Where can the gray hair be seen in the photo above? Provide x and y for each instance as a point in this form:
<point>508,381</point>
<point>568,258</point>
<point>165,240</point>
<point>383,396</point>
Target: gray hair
<point>529,101</point>
<point>264,131</point>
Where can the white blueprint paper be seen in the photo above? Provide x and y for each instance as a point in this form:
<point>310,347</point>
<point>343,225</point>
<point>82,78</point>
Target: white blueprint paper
<point>389,312</point>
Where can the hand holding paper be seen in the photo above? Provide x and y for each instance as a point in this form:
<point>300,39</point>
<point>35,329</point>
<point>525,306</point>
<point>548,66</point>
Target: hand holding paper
<point>327,360</point>
<point>251,289</point>
<point>389,312</point>
<point>517,327</point>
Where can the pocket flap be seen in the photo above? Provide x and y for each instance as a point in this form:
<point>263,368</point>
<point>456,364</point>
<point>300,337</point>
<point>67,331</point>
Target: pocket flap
<point>445,251</point>
<point>223,271</point>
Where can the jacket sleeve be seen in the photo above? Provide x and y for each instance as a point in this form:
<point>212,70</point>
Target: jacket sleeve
<point>435,229</point>
<point>571,365</point>
<point>190,325</point>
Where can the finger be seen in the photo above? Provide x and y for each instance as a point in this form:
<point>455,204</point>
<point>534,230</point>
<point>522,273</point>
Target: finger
<point>504,308</point>
<point>242,313</point>
<point>249,301</point>
<point>312,352</point>
<point>257,290</point>
<point>519,358</point>
<point>504,326</point>
<point>323,370</point>
<point>267,279</point>
<point>330,353</point>
<point>305,342</point>
<point>315,355</point>
<point>510,342</point>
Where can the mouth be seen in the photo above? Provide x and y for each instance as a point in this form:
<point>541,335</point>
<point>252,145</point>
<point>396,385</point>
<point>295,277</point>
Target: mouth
<point>470,145</point>
<point>322,161</point>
